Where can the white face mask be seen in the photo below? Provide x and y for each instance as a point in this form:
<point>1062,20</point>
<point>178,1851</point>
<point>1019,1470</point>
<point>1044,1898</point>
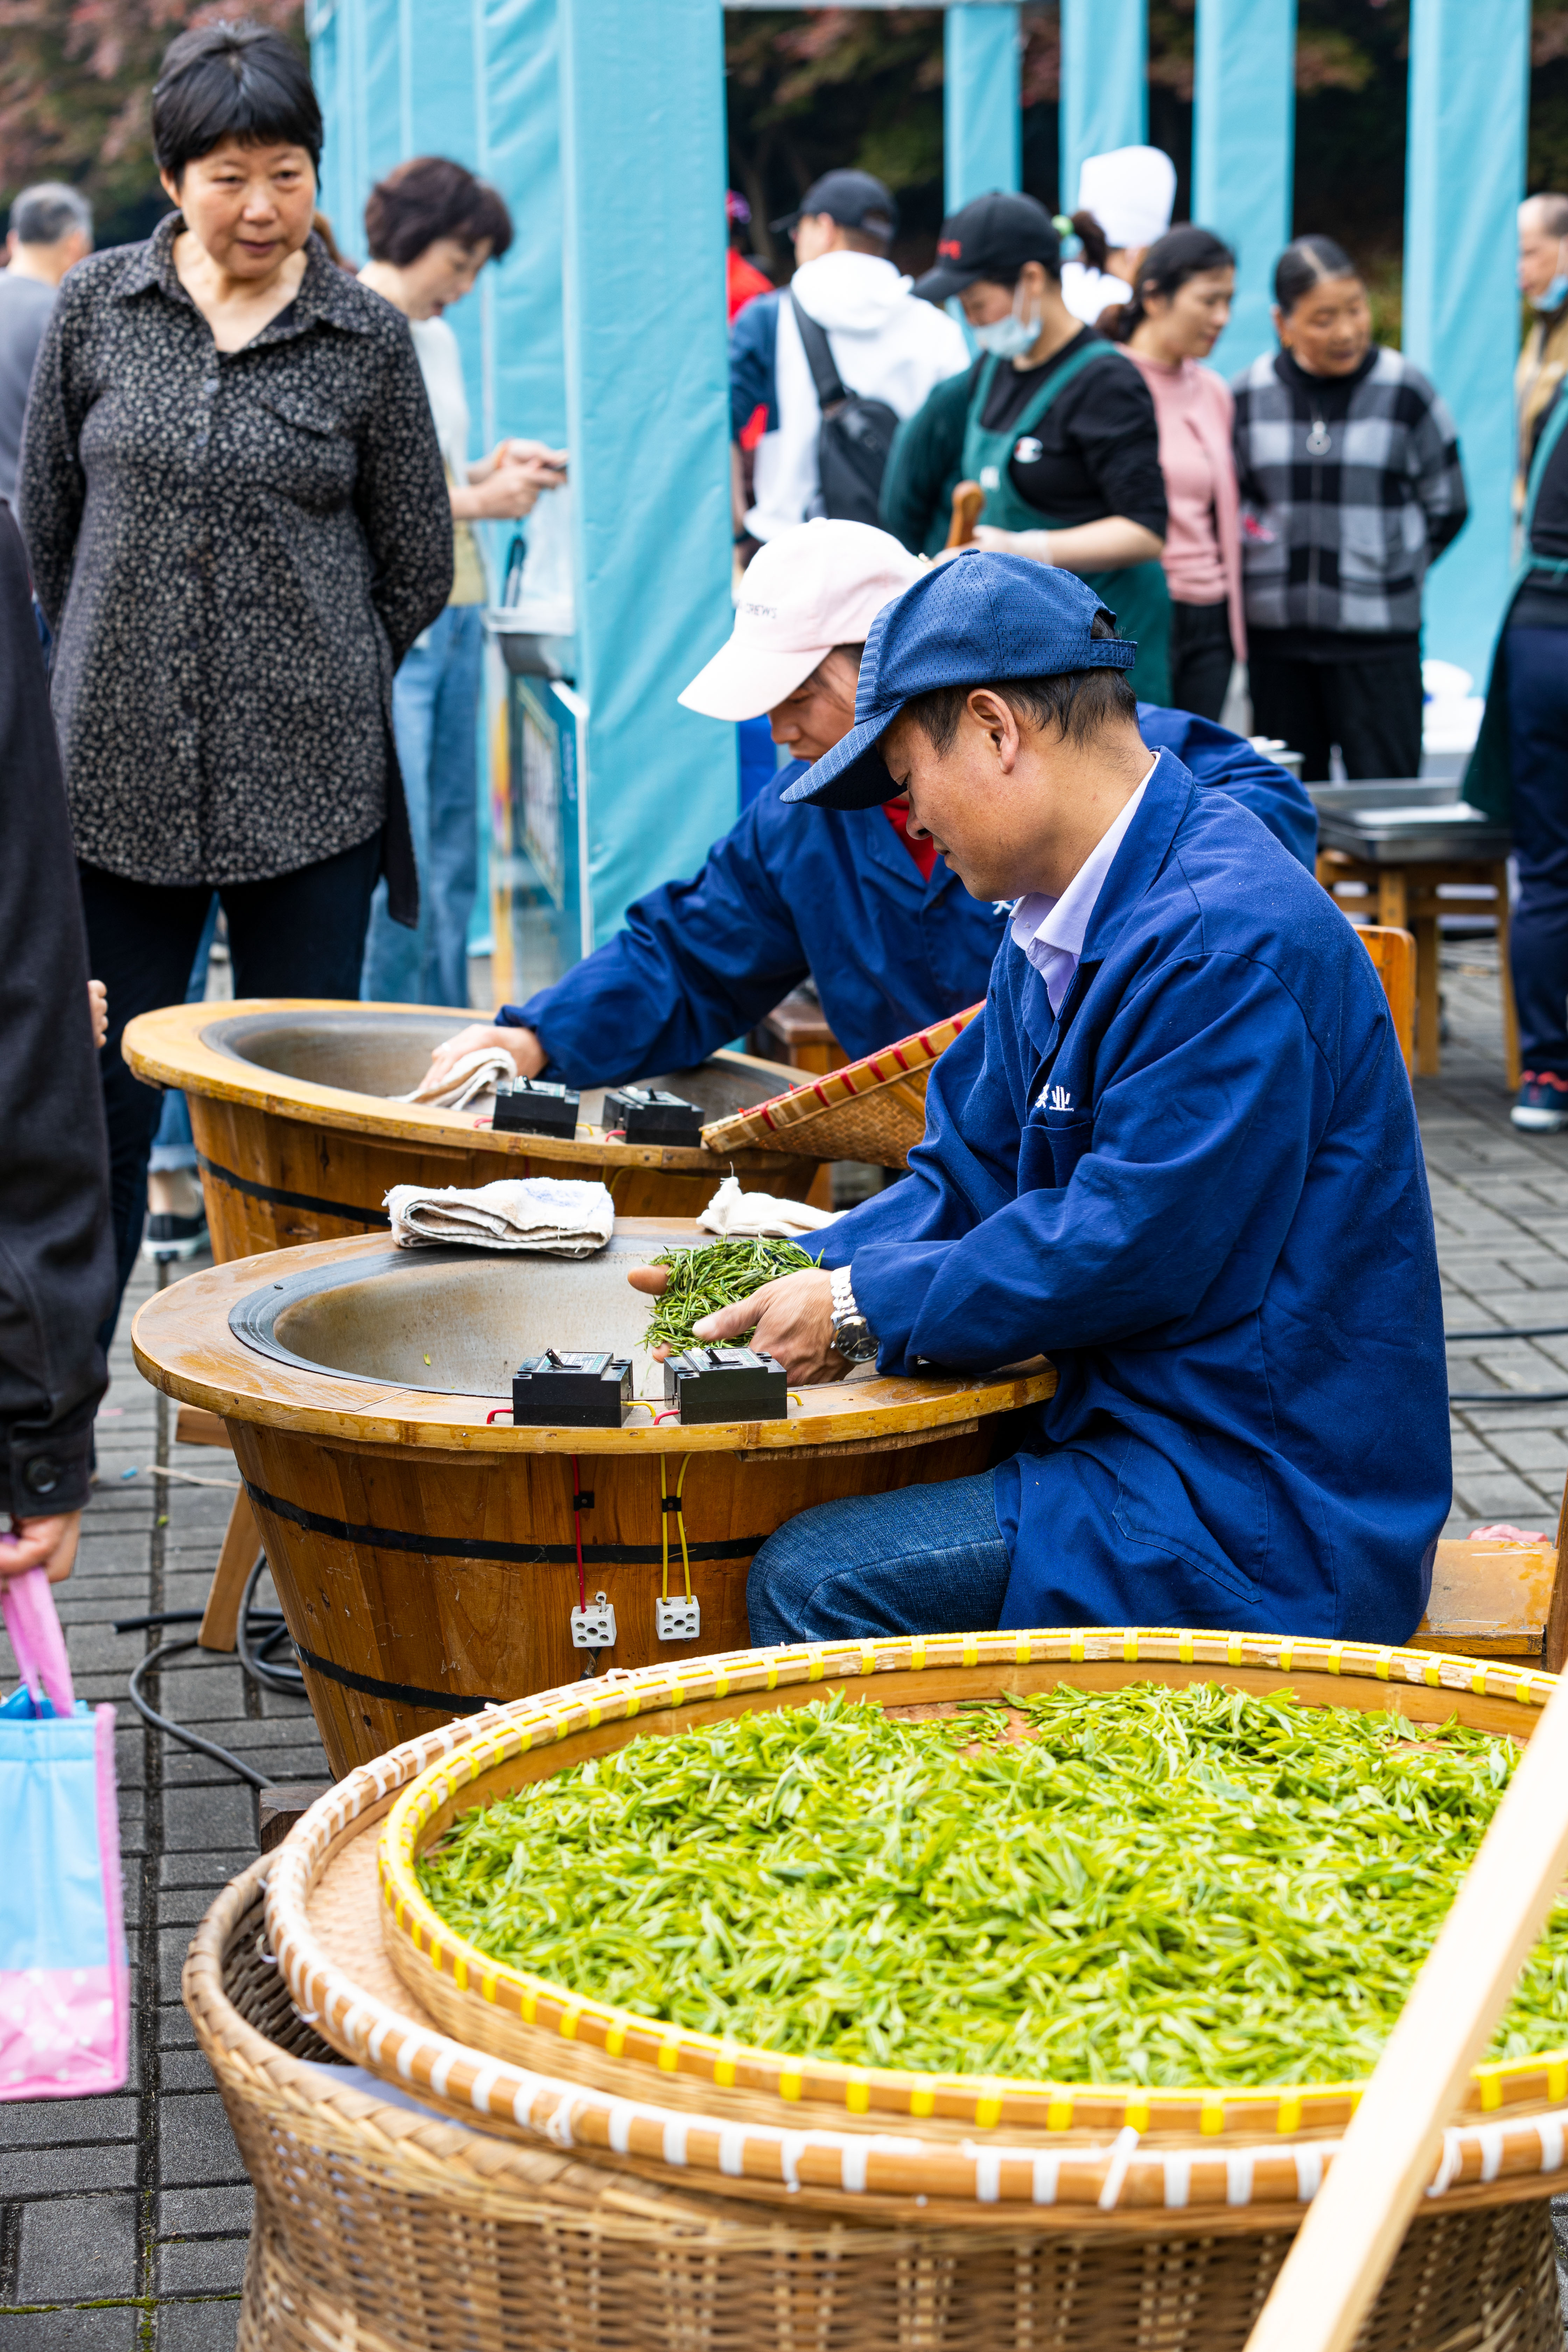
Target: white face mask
<point>1011,337</point>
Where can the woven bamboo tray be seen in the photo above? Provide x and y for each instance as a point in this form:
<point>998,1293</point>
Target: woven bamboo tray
<point>1242,2160</point>
<point>383,2228</point>
<point>873,1109</point>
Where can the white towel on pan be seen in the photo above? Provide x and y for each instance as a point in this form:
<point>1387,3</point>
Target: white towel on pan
<point>473,1075</point>
<point>749,1215</point>
<point>550,1214</point>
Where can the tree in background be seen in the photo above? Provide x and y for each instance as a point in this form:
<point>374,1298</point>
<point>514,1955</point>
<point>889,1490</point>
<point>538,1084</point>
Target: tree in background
<point>76,91</point>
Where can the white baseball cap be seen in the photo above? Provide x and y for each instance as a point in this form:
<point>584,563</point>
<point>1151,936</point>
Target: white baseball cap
<point>817,585</point>
<point>1130,191</point>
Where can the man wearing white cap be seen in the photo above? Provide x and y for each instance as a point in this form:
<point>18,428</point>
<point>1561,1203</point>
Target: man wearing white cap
<point>1127,194</point>
<point>891,936</point>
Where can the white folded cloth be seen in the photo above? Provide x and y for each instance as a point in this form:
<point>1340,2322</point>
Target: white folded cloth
<point>476,1074</point>
<point>549,1215</point>
<point>749,1215</point>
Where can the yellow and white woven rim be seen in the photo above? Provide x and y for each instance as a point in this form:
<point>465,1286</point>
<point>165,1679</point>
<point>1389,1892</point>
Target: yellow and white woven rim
<point>901,2098</point>
<point>1120,2173</point>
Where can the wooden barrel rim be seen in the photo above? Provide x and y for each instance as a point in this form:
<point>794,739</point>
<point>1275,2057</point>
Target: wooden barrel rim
<point>424,1944</point>
<point>168,1047</point>
<point>184,1345</point>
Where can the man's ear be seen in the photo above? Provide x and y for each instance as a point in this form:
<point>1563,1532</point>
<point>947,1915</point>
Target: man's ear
<point>996,718</point>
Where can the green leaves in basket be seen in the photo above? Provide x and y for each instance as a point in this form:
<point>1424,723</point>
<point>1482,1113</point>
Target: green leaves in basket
<point>1154,1885</point>
<point>717,1275</point>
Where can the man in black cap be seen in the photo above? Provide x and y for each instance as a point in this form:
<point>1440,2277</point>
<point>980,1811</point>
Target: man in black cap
<point>847,309</point>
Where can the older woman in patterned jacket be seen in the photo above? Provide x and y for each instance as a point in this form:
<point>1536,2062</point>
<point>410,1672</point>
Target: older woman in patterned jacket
<point>234,506</point>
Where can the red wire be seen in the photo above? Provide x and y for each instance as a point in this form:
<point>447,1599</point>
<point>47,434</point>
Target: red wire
<point>497,1415</point>
<point>577,1531</point>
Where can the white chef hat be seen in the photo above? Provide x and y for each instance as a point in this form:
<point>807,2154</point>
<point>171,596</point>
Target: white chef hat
<point>1130,191</point>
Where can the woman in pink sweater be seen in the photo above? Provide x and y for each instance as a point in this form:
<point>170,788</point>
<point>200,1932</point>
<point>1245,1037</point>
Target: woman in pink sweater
<point>1174,318</point>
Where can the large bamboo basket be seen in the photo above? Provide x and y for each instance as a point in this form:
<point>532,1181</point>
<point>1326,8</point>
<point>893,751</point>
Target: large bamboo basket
<point>872,1110</point>
<point>506,2010</point>
<point>425,1553</point>
<point>1232,2162</point>
<point>296,1140</point>
<point>386,2227</point>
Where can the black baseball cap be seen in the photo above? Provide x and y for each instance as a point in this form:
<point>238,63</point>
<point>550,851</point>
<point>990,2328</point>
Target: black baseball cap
<point>991,238</point>
<point>854,199</point>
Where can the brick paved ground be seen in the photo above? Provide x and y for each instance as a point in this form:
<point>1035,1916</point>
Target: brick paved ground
<point>125,2218</point>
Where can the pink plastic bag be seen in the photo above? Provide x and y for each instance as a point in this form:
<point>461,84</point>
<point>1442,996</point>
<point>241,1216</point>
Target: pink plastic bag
<point>64,1988</point>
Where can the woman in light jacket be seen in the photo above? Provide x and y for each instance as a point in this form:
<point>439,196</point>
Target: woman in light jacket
<point>1177,313</point>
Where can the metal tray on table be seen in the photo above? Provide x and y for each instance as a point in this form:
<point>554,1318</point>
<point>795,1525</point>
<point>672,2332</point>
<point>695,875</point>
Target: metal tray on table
<point>1399,821</point>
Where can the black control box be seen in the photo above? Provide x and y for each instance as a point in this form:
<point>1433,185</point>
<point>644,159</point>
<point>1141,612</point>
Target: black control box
<point>647,1114</point>
<point>572,1389</point>
<point>532,1108</point>
<point>726,1384</point>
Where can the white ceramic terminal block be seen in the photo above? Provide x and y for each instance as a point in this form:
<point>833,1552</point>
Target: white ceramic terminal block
<point>594,1625</point>
<point>679,1620</point>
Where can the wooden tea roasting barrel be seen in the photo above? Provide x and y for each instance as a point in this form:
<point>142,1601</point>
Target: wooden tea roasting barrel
<point>425,1556</point>
<point>297,1140</point>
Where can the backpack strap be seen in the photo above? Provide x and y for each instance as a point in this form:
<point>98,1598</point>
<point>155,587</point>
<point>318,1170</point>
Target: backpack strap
<point>830,388</point>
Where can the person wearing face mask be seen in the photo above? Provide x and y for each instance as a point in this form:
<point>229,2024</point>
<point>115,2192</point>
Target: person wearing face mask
<point>1053,422</point>
<point>891,936</point>
<point>1177,314</point>
<point>431,227</point>
<point>1351,489</point>
<point>1543,282</point>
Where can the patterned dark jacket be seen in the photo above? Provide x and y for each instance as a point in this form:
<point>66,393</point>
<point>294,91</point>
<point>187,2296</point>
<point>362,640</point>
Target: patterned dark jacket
<point>235,551</point>
<point>1339,520</point>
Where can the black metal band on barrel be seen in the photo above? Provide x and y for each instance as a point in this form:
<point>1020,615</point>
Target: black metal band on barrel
<point>400,1693</point>
<point>349,1211</point>
<point>434,1546</point>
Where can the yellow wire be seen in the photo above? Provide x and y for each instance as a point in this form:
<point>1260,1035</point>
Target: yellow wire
<point>680,1525</point>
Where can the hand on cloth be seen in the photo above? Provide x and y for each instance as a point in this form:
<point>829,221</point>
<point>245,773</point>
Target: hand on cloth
<point>526,1052</point>
<point>551,1216</point>
<point>50,1544</point>
<point>464,1079</point>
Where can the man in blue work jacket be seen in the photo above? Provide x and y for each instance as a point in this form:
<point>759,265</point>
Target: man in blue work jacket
<point>887,932</point>
<point>1178,1157</point>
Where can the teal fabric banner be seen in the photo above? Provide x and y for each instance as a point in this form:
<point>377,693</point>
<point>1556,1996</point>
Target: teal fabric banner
<point>1244,128</point>
<point>981,141</point>
<point>1469,87</point>
<point>643,176</point>
<point>1105,83</point>
<point>518,75</point>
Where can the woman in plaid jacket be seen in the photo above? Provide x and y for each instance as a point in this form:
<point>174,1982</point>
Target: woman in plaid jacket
<point>1350,486</point>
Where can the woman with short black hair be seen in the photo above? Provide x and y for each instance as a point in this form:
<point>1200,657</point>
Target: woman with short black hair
<point>432,226</point>
<point>234,503</point>
<point>1351,489</point>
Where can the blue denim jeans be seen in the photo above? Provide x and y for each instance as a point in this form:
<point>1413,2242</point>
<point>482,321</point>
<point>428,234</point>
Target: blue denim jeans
<point>924,1560</point>
<point>435,715</point>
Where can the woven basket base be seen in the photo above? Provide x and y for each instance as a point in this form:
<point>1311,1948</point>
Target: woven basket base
<point>1478,2281</point>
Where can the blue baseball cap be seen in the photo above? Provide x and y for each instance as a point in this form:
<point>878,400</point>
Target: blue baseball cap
<point>974,622</point>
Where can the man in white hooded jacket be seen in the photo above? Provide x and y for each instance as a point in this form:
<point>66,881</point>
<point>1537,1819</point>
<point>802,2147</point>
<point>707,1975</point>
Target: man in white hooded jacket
<point>886,343</point>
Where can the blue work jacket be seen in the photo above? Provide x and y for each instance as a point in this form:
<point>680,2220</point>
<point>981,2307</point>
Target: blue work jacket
<point>1200,1191</point>
<point>832,893</point>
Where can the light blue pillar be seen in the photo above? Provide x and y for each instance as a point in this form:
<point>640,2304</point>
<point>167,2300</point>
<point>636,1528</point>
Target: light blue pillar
<point>643,158</point>
<point>982,140</point>
<point>1105,82</point>
<point>1244,129</point>
<point>1469,83</point>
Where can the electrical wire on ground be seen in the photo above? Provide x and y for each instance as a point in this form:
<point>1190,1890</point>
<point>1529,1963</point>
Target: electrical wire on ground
<point>1507,1396</point>
<point>257,1632</point>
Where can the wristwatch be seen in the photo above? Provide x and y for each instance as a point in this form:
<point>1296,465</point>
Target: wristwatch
<point>852,1335</point>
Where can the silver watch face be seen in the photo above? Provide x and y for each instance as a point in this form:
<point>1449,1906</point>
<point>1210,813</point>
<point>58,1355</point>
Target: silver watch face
<point>854,1340</point>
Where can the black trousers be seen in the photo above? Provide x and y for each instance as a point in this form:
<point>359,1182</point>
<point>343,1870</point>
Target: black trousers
<point>300,934</point>
<point>1538,935</point>
<point>1372,709</point>
<point>1201,657</point>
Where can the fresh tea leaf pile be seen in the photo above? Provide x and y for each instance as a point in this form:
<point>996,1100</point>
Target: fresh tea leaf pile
<point>717,1275</point>
<point>1162,1886</point>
